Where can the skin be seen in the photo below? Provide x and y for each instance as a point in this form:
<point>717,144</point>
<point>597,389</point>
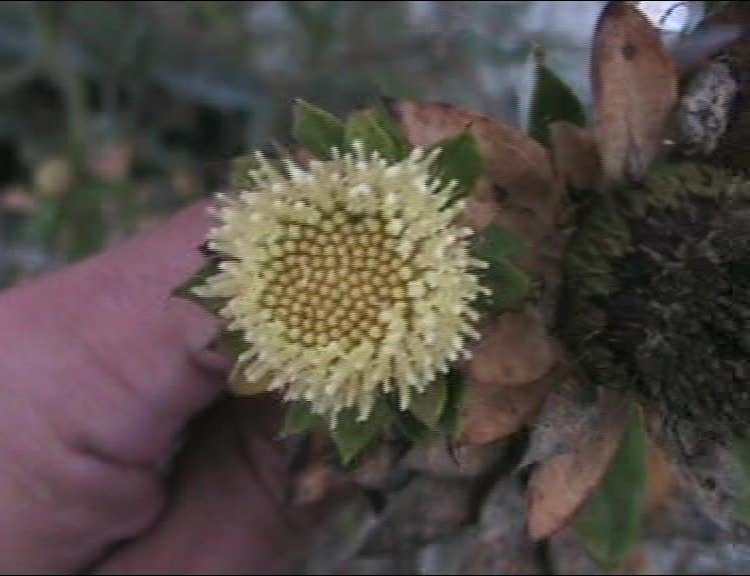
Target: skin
<point>119,450</point>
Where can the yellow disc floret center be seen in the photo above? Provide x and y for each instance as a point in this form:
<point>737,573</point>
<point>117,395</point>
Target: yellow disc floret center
<point>331,281</point>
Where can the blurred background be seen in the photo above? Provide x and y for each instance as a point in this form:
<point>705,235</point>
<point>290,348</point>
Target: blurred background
<point>114,114</point>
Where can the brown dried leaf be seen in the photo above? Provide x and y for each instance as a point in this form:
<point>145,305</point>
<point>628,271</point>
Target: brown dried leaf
<point>495,412</point>
<point>575,155</point>
<point>661,478</point>
<point>560,486</point>
<point>635,85</point>
<point>514,350</point>
<point>519,183</point>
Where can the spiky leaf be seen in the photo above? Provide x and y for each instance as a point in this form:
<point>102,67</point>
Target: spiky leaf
<point>509,284</point>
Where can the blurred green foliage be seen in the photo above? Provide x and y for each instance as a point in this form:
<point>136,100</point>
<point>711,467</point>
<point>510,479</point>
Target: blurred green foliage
<point>114,114</point>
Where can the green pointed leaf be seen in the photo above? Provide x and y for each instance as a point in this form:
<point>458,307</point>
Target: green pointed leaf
<point>510,286</point>
<point>414,429</point>
<point>299,418</point>
<point>552,100</point>
<point>353,437</point>
<point>495,242</point>
<point>317,130</point>
<point>376,132</point>
<point>212,305</point>
<point>387,122</point>
<point>428,406</point>
<point>456,394</point>
<point>230,342</point>
<point>460,160</point>
<point>610,523</point>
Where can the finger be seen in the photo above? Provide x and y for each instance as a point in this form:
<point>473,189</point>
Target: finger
<point>228,512</point>
<point>122,363</point>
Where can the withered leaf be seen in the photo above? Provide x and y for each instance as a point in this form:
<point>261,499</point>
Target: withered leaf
<point>575,155</point>
<point>518,180</point>
<point>661,478</point>
<point>495,412</point>
<point>514,350</point>
<point>635,87</point>
<point>559,487</point>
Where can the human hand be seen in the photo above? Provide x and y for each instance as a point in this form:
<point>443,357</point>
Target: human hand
<point>101,376</point>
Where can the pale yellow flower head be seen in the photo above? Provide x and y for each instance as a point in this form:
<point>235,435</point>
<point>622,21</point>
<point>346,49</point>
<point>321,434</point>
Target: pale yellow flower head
<point>348,279</point>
